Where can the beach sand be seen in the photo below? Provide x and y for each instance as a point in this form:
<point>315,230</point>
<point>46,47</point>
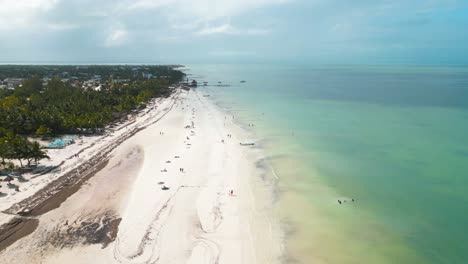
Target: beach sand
<point>121,214</point>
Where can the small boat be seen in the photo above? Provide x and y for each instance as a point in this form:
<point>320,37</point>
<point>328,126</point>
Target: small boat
<point>243,81</point>
<point>247,144</point>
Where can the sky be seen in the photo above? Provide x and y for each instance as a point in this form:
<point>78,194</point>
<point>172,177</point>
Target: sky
<point>235,31</point>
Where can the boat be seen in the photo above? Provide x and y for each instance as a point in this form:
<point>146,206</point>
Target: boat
<point>247,144</point>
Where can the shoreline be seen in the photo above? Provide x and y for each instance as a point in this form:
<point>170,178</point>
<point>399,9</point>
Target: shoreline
<point>219,215</point>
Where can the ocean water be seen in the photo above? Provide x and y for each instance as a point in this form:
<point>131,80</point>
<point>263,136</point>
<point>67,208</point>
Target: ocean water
<point>394,139</point>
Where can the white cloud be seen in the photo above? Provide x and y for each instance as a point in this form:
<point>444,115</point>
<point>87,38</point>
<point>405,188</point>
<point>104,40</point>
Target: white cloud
<point>207,9</point>
<point>15,14</point>
<point>198,16</point>
<point>170,21</point>
<point>223,29</point>
<point>230,30</point>
<point>116,37</point>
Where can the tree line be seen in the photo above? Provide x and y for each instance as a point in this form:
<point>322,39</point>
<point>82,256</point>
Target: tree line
<point>15,147</point>
<point>58,107</point>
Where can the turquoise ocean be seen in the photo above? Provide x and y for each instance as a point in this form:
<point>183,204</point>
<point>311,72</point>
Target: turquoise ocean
<point>394,139</point>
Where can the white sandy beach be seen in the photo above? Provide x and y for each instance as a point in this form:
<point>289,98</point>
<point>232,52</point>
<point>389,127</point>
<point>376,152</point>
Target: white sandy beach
<point>194,221</point>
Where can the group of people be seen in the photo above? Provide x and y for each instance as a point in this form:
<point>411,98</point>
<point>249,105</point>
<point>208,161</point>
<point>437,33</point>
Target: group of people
<point>161,133</point>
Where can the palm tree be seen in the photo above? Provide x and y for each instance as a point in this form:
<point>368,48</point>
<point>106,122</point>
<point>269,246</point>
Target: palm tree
<point>37,153</point>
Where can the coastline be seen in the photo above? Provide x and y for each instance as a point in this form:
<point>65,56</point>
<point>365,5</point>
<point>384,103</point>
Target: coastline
<point>142,221</point>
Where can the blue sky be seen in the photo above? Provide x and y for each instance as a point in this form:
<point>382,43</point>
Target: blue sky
<point>190,31</point>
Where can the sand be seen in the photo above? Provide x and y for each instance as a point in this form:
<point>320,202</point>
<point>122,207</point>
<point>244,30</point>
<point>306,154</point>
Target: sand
<point>123,215</point>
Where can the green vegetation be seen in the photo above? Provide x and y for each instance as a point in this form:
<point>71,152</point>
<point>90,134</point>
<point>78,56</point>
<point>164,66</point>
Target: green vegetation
<point>54,100</point>
<point>16,147</point>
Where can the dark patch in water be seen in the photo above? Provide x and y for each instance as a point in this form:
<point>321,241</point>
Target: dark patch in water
<point>461,152</point>
<point>289,230</point>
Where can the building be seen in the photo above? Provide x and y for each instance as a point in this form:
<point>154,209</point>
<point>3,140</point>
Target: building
<point>147,75</point>
<point>12,82</point>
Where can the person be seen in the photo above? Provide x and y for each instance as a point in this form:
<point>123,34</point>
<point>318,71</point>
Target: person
<point>339,201</point>
<point>232,193</point>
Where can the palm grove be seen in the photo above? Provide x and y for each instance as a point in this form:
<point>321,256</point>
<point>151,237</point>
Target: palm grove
<point>36,109</point>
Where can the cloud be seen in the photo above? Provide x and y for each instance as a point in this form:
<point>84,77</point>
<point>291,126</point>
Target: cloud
<point>222,29</point>
<point>166,20</point>
<point>116,37</point>
<point>230,30</point>
<point>201,28</point>
<point>16,14</point>
<point>206,9</point>
<point>64,26</point>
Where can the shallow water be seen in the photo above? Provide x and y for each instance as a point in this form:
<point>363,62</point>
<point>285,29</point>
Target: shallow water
<point>393,138</point>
